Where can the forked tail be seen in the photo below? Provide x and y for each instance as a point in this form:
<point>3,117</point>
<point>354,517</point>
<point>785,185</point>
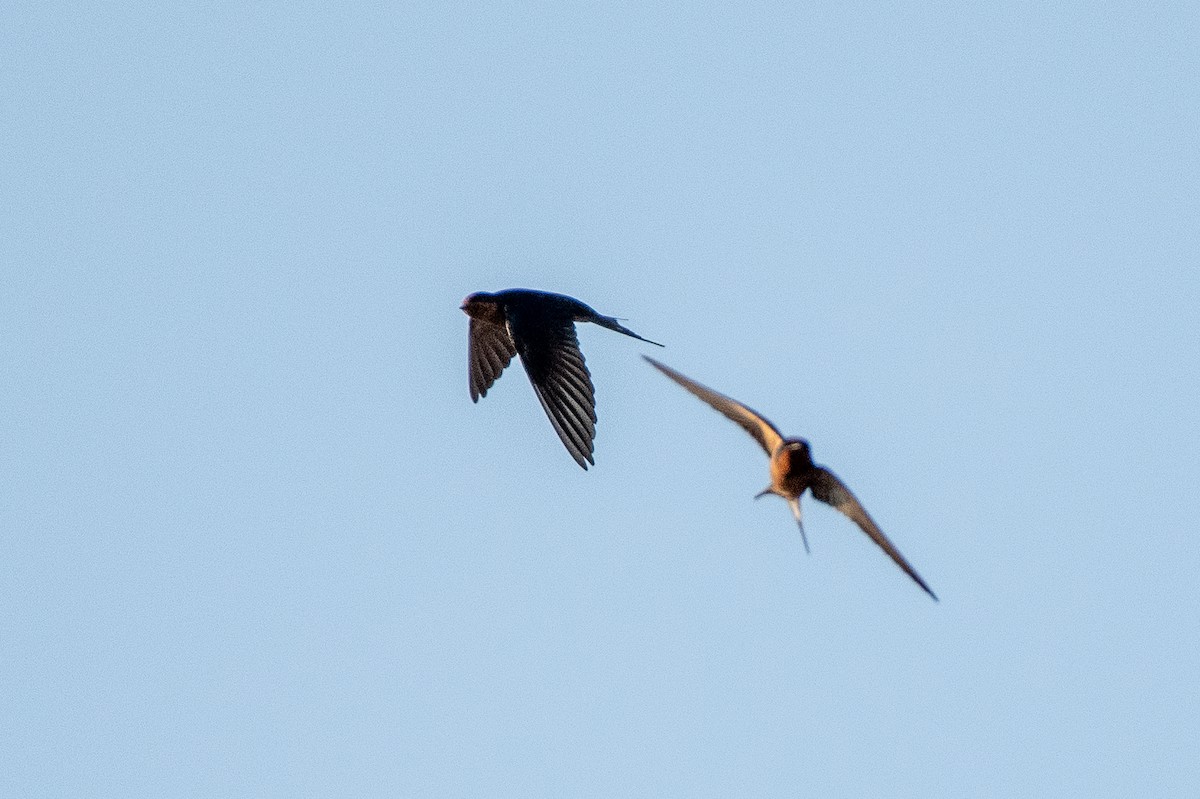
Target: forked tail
<point>612,324</point>
<point>794,504</point>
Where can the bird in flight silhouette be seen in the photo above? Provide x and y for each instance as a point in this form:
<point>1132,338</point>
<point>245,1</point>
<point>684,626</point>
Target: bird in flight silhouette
<point>540,327</point>
<point>793,470</point>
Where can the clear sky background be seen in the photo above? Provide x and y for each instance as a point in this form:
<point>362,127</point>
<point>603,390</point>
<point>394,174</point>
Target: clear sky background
<point>255,539</point>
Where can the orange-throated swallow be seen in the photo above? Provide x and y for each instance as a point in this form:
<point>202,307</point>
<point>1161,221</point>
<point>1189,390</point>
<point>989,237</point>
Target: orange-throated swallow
<point>540,327</point>
<point>793,470</point>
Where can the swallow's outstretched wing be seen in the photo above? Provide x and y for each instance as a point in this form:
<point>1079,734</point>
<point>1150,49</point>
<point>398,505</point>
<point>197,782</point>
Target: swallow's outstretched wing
<point>765,433</point>
<point>549,350</point>
<point>489,349</point>
<point>826,487</point>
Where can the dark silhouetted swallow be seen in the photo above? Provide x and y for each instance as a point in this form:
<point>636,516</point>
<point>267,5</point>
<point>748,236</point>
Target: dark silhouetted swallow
<point>793,470</point>
<point>540,327</point>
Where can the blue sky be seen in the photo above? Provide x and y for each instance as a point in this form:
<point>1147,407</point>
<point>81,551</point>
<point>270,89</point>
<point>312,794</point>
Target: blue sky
<point>255,539</point>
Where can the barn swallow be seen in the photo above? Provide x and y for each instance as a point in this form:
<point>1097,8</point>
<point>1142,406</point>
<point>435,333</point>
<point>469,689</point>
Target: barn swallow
<point>540,327</point>
<point>793,470</point>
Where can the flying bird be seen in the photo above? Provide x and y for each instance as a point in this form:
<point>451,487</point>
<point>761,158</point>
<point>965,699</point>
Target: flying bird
<point>793,470</point>
<point>540,327</point>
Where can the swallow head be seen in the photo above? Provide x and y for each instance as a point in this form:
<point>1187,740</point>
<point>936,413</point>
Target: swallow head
<point>798,450</point>
<point>482,305</point>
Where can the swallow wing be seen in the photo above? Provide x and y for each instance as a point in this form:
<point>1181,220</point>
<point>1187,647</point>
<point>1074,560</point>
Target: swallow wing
<point>765,433</point>
<point>829,489</point>
<point>489,349</point>
<point>550,352</point>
